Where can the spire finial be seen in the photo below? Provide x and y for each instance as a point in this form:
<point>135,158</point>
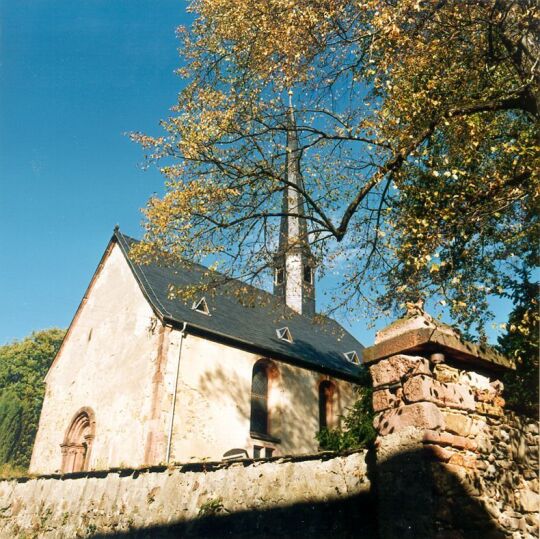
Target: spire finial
<point>292,120</point>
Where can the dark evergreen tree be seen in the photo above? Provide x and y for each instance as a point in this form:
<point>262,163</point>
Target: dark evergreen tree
<point>11,421</point>
<point>23,366</point>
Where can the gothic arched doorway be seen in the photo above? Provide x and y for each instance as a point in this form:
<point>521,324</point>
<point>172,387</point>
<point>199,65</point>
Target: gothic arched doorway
<point>78,441</point>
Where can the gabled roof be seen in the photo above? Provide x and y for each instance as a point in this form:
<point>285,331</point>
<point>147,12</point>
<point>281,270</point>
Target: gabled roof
<point>316,345</point>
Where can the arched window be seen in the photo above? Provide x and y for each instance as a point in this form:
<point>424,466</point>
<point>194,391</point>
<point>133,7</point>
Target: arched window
<point>259,399</point>
<point>326,404</point>
<point>78,441</point>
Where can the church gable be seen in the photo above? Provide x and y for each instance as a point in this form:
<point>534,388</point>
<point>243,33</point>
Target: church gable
<point>105,365</point>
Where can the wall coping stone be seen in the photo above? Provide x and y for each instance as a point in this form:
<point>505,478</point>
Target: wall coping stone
<point>202,466</point>
<point>421,335</point>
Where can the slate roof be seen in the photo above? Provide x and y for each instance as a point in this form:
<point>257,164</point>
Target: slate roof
<point>316,345</point>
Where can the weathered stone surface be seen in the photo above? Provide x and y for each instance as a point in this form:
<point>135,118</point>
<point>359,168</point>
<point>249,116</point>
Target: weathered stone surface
<point>408,324</point>
<point>438,452</point>
<point>385,398</point>
<point>484,462</point>
<point>395,368</point>
<point>445,438</point>
<point>133,500</point>
<point>468,461</point>
<point>458,423</point>
<point>475,380</point>
<point>529,500</point>
<point>489,409</point>
<point>424,388</point>
<point>422,415</point>
<point>425,336</point>
<point>445,373</point>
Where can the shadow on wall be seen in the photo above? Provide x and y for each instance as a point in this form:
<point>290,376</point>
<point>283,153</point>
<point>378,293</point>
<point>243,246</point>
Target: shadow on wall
<point>413,496</point>
<point>345,518</point>
<point>299,406</point>
<point>418,498</point>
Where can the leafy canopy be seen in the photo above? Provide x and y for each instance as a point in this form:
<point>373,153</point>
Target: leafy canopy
<point>418,127</point>
<point>23,366</point>
<point>520,342</point>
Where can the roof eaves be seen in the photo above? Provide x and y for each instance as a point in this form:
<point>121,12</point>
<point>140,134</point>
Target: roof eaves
<point>167,318</point>
<point>257,348</point>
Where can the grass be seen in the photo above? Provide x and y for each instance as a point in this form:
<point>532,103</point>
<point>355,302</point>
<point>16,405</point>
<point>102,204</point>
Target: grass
<point>8,471</point>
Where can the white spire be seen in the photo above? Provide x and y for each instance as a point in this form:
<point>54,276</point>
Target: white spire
<point>294,265</point>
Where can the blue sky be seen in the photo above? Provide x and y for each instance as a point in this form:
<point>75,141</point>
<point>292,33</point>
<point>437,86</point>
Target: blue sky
<point>74,78</point>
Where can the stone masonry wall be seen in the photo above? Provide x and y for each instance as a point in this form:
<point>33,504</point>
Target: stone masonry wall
<point>288,497</point>
<point>451,463</point>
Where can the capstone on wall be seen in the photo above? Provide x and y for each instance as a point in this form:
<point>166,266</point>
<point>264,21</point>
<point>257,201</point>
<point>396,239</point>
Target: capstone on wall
<point>310,496</point>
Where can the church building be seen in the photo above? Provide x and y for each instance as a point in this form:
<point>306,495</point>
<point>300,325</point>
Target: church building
<point>143,378</point>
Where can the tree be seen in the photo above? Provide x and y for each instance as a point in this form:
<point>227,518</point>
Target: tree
<point>11,418</point>
<point>418,127</point>
<point>23,366</point>
<point>520,342</point>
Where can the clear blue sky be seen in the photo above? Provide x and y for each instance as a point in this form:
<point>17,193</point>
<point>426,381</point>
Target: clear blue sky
<point>75,76</point>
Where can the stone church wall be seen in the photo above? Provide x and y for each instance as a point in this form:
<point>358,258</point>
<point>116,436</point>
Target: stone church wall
<point>309,496</point>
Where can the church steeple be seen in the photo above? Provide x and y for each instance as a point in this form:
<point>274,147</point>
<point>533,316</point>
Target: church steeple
<point>294,279</point>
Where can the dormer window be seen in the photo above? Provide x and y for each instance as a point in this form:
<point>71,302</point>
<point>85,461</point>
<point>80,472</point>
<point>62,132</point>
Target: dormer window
<point>308,274</point>
<point>284,334</point>
<point>352,357</point>
<point>201,307</point>
<point>279,276</point>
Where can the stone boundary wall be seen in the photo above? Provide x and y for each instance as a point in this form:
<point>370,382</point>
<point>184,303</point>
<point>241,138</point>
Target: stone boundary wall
<point>470,468</point>
<point>295,496</point>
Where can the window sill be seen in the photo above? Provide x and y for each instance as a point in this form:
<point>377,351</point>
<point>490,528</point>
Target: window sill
<point>264,437</point>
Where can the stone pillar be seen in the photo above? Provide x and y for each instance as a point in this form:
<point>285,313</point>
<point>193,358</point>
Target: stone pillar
<point>451,462</point>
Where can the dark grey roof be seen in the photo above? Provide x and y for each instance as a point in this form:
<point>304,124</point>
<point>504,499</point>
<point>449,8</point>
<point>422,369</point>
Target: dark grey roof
<point>318,345</point>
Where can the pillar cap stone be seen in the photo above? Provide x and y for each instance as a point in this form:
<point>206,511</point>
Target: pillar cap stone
<point>420,334</point>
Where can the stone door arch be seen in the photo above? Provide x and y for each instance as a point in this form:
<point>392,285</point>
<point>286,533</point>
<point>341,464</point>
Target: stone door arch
<point>78,441</point>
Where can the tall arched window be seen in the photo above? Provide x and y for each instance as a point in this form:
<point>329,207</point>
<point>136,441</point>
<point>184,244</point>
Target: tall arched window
<point>259,399</point>
<point>326,404</point>
<point>78,441</point>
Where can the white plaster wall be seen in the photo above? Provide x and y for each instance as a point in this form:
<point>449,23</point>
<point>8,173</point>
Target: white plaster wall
<point>212,412</point>
<point>106,363</point>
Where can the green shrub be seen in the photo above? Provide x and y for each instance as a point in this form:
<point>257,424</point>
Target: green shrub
<point>357,431</point>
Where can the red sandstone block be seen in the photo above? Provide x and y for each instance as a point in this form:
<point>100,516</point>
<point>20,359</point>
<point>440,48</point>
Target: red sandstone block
<point>445,438</point>
<point>384,399</point>
<point>424,388</point>
<point>440,453</point>
<point>463,460</point>
<point>393,369</point>
<point>423,415</point>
